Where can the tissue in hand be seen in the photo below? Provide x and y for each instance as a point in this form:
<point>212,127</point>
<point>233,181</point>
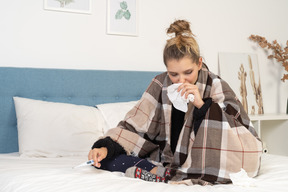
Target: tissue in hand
<point>178,101</point>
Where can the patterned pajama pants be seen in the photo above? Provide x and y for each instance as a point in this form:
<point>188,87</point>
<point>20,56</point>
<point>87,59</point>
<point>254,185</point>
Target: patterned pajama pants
<point>122,162</point>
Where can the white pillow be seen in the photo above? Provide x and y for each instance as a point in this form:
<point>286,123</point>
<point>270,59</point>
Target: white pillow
<point>113,113</point>
<point>48,129</point>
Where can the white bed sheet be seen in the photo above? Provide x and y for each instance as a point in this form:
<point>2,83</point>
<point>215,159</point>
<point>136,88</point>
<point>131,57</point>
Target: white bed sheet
<point>56,174</point>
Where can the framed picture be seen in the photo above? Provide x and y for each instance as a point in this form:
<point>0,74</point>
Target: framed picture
<point>241,72</point>
<point>122,17</point>
<point>74,6</point>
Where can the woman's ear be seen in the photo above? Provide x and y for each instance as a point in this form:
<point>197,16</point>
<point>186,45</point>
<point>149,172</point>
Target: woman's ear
<point>200,63</point>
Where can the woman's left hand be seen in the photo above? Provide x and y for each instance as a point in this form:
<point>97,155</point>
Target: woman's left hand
<point>188,88</point>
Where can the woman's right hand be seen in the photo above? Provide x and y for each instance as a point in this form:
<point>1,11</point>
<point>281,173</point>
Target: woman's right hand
<point>97,155</point>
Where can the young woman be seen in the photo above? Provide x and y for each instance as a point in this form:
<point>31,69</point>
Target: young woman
<point>157,142</point>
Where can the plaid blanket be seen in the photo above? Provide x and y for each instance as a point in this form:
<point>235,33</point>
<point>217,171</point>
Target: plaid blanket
<point>225,142</point>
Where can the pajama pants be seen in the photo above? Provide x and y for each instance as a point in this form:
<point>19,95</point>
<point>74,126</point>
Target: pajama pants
<point>122,162</point>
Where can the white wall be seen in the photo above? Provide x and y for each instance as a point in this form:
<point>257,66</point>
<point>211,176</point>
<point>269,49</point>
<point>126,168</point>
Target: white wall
<point>33,37</point>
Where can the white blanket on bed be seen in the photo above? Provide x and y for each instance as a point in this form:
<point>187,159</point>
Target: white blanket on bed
<point>56,174</point>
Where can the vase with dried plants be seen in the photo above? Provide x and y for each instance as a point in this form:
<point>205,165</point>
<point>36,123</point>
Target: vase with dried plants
<point>278,52</point>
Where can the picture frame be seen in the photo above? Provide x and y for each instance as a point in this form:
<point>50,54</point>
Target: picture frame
<point>122,17</point>
<point>73,6</point>
<point>241,72</point>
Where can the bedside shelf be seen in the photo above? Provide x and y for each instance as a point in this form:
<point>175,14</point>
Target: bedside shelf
<point>268,117</point>
<point>273,131</point>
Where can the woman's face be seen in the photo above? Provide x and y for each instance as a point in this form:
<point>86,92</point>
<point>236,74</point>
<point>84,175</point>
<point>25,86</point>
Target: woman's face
<point>183,70</point>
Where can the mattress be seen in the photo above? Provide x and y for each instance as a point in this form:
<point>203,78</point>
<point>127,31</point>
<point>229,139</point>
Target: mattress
<point>56,174</point>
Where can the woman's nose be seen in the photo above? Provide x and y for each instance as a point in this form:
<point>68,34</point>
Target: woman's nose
<point>182,79</point>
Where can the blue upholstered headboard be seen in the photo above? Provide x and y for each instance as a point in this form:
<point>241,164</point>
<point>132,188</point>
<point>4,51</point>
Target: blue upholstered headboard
<point>85,87</point>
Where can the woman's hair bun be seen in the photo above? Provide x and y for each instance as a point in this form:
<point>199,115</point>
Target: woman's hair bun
<point>182,44</point>
<point>180,27</point>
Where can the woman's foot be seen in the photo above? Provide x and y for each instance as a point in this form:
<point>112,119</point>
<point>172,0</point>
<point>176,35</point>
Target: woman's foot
<point>136,172</point>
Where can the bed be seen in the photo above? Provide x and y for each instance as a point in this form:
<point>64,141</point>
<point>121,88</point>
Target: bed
<point>49,119</point>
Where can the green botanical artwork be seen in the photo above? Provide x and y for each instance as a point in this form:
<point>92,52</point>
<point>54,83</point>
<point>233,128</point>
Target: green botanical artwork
<point>63,3</point>
<point>123,12</point>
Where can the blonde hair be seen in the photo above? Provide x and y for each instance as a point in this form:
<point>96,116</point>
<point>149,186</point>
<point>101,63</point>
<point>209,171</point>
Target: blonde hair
<point>183,44</point>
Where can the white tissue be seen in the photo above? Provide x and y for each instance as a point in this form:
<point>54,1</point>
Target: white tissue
<point>178,101</point>
<point>242,179</point>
